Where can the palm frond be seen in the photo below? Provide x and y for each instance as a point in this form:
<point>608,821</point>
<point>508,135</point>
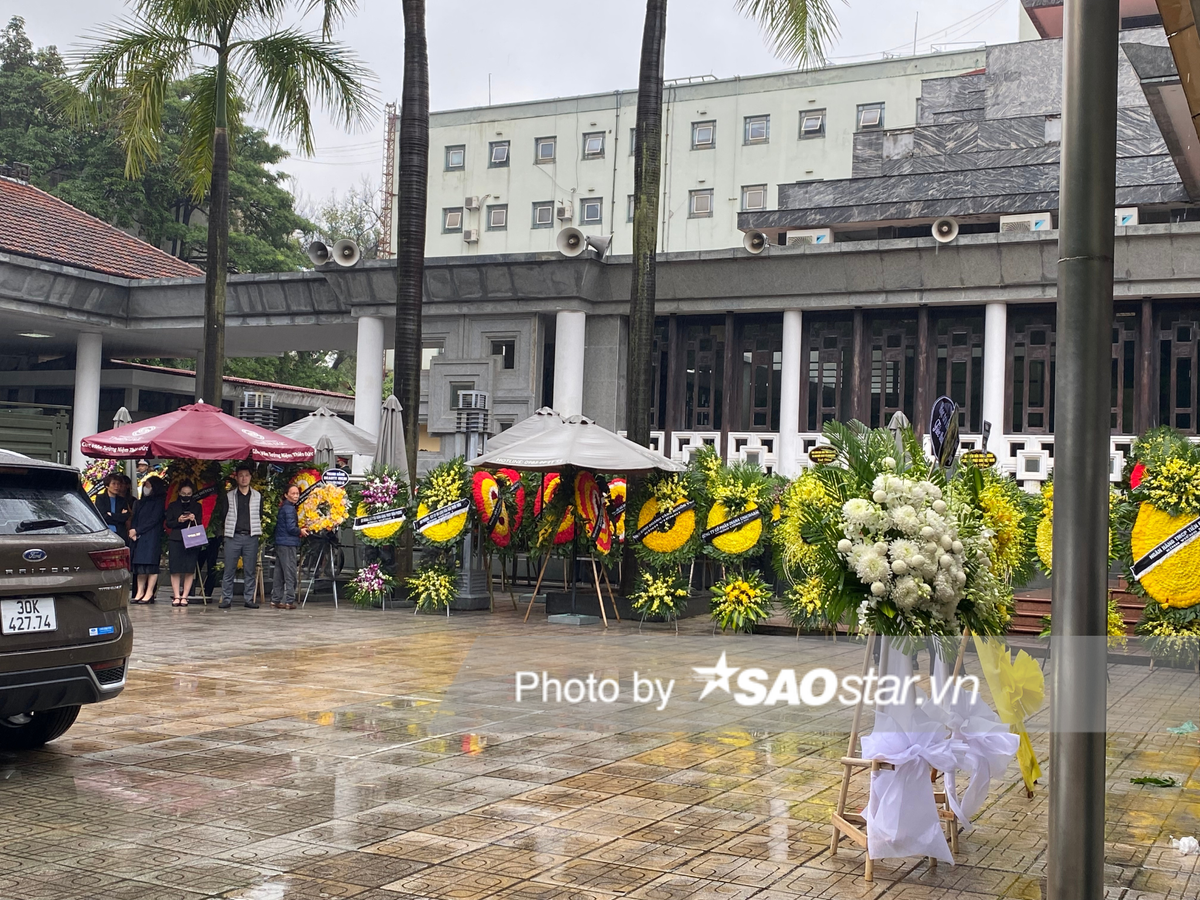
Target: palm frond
<point>196,146</point>
<point>333,13</point>
<point>288,67</point>
<point>799,31</point>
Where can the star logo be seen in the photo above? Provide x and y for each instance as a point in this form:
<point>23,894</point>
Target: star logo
<point>718,676</point>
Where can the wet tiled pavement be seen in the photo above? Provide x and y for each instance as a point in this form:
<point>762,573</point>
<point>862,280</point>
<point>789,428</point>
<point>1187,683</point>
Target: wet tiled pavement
<point>266,755</point>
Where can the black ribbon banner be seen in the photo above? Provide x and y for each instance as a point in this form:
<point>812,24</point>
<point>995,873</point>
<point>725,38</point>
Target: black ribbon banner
<point>1171,545</point>
<point>664,521</point>
<point>615,512</point>
<point>383,517</point>
<point>442,514</point>
<point>731,525</point>
<point>495,516</point>
<point>308,490</point>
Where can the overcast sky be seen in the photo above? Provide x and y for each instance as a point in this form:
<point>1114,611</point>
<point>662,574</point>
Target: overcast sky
<point>535,49</point>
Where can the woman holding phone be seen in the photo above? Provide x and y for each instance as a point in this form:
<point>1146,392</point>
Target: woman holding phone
<point>183,512</point>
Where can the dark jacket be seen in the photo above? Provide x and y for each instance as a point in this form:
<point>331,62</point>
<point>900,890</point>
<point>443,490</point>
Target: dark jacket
<point>287,528</point>
<point>173,526</point>
<point>119,519</point>
<point>147,521</point>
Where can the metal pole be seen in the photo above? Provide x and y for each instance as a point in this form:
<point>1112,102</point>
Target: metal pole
<point>1085,312</point>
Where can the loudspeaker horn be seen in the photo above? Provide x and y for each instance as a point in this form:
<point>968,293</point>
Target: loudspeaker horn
<point>945,230</point>
<point>346,252</point>
<point>755,241</point>
<point>599,243</point>
<point>571,242</point>
<point>319,253</point>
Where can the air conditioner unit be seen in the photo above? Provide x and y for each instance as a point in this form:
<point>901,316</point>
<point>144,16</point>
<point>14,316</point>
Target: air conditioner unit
<point>810,236</point>
<point>472,400</point>
<point>1028,222</point>
<point>471,202</point>
<point>471,235</point>
<point>565,212</point>
<point>1126,215</point>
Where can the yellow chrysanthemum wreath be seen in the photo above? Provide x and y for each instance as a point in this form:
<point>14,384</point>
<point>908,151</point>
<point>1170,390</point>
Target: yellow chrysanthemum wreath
<point>1044,542</point>
<point>324,509</point>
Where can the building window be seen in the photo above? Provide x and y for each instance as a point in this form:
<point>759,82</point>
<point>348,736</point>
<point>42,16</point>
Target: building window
<point>870,116</point>
<point>700,204</point>
<point>507,351</point>
<point>452,219</point>
<point>761,347</point>
<point>544,148</point>
<point>456,157</point>
<point>959,369</point>
<point>1179,368</point>
<point>591,211</point>
<point>632,141</point>
<point>497,217</point>
<point>497,154</point>
<point>703,360</point>
<point>827,392</point>
<point>1031,344</point>
<point>430,349</point>
<point>629,214</point>
<point>1124,370</point>
<point>812,124</point>
<point>704,135</point>
<point>754,196</point>
<point>757,129</point>
<point>455,388</point>
<point>893,368</point>
<point>543,214</point>
<point>593,145</point>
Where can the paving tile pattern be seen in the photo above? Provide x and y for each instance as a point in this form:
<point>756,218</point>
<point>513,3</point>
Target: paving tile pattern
<point>263,755</point>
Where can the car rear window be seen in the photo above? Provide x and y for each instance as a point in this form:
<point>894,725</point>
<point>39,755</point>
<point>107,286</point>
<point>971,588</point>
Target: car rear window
<point>34,496</point>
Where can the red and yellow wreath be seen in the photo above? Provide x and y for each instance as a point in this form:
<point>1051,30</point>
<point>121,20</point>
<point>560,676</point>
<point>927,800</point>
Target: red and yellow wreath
<point>590,502</point>
<point>500,501</point>
<point>565,529</point>
<point>618,492</point>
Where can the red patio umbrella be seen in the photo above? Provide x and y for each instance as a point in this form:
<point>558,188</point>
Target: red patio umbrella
<point>198,431</point>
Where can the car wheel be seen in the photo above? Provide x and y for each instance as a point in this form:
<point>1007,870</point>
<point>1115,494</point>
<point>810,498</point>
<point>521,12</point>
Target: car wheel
<point>31,730</point>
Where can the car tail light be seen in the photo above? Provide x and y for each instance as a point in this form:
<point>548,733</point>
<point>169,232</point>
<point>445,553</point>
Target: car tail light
<point>110,559</point>
<point>108,664</point>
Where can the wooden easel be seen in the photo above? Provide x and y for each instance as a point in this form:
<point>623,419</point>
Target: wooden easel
<point>854,825</point>
<point>537,587</point>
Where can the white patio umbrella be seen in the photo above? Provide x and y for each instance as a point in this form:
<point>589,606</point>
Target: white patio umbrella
<point>579,442</point>
<point>390,449</point>
<point>541,421</point>
<point>347,439</point>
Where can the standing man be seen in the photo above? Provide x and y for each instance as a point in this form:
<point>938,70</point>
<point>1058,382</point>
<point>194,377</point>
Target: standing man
<point>115,506</point>
<point>243,526</point>
<point>287,544</point>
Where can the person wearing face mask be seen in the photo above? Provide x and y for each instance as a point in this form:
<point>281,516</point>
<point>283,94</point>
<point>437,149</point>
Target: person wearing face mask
<point>145,530</point>
<point>182,513</point>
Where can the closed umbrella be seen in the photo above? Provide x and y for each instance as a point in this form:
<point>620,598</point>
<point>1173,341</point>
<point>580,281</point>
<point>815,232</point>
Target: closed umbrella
<point>120,419</point>
<point>324,455</point>
<point>390,450</point>
<point>197,431</point>
<point>579,442</point>
<point>348,439</point>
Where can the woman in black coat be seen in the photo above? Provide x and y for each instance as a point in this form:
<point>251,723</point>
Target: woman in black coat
<point>146,532</point>
<point>183,513</point>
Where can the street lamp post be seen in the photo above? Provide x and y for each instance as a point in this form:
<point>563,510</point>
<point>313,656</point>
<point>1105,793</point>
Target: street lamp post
<point>1085,312</point>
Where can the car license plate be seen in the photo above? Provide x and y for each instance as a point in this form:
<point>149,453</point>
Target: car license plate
<point>27,614</point>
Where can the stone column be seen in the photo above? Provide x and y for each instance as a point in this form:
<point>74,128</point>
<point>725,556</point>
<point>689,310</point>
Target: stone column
<point>789,394</point>
<point>995,359</point>
<point>570,329</point>
<point>86,411</point>
<point>368,374</point>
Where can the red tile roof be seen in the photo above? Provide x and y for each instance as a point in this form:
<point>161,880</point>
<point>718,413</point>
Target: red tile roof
<point>36,224</point>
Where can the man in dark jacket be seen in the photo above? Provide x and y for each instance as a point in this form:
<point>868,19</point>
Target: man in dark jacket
<point>287,545</point>
<point>115,506</point>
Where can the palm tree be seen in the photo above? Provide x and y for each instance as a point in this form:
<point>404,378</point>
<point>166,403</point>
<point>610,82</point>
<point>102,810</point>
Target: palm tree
<point>799,31</point>
<point>240,57</point>
<point>412,187</point>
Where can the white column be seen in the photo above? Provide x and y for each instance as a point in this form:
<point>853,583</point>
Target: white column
<point>995,357</point>
<point>86,411</point>
<point>569,340</point>
<point>368,374</point>
<point>789,394</point>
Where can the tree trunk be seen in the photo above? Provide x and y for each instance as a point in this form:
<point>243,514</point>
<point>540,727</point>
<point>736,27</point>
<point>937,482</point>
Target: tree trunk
<point>647,174</point>
<point>209,383</point>
<point>411,190</point>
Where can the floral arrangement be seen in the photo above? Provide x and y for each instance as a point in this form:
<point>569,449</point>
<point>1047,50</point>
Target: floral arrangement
<point>740,601</point>
<point>618,493</point>
<point>500,504</point>
<point>1163,502</point>
<point>434,586</point>
<point>370,585</point>
<point>734,527</point>
<point>324,508</point>
<point>593,513</point>
<point>1011,516</point>
<point>661,594</point>
<point>95,473</point>
<point>555,515</point>
<point>805,603</point>
<point>666,531</point>
<point>1044,540</point>
<point>443,505</point>
<point>384,489</point>
<point>803,505</point>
